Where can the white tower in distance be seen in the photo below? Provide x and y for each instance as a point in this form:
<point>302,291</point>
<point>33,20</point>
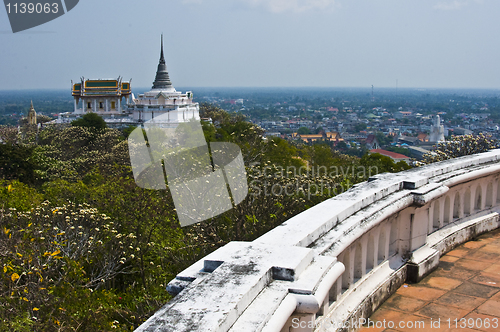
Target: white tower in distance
<point>437,130</point>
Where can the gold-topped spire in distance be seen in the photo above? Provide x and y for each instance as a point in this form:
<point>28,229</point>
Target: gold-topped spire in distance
<point>162,80</point>
<point>32,115</point>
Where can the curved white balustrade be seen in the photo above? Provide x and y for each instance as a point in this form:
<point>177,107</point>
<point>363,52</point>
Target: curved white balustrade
<point>335,263</point>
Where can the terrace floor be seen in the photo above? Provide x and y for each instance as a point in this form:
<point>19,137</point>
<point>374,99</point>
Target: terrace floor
<point>462,294</point>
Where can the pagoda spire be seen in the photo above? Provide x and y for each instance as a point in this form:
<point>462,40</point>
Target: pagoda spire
<point>162,58</point>
<point>162,80</point>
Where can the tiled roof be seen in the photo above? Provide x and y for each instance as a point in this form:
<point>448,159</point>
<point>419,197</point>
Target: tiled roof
<point>393,155</point>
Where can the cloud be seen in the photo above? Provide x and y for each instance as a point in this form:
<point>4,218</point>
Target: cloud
<point>187,2</point>
<point>277,6</point>
<point>455,4</point>
<point>297,6</point>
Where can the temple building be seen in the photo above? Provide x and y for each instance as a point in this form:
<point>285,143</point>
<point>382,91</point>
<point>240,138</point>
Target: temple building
<point>114,101</point>
<point>437,130</point>
<point>102,96</point>
<point>32,115</point>
<point>164,99</point>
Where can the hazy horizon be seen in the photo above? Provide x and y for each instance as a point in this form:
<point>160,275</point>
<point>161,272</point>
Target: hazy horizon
<point>425,44</point>
<point>187,88</point>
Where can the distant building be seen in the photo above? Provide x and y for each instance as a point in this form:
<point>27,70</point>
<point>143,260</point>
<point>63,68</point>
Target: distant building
<point>101,96</point>
<point>272,134</point>
<point>372,142</point>
<point>32,115</point>
<point>328,136</point>
<point>397,157</point>
<point>333,136</point>
<point>408,140</point>
<point>423,137</point>
<point>461,131</point>
<point>419,152</point>
<point>437,131</point>
<point>311,137</point>
<point>403,114</point>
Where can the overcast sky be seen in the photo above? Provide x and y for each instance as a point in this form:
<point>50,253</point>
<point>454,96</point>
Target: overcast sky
<point>261,43</point>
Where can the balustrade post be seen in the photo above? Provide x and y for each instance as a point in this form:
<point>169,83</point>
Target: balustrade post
<point>363,245</point>
<point>462,203</point>
<point>494,197</point>
<point>430,222</point>
<point>450,209</point>
<point>387,240</point>
<point>352,255</point>
<point>441,201</point>
<point>375,236</point>
<point>419,229</point>
<point>484,188</point>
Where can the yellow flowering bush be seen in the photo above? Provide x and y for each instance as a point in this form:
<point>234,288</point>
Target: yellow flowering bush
<point>459,146</point>
<point>57,263</point>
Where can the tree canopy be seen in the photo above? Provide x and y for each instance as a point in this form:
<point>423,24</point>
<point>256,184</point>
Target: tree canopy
<point>83,247</point>
<point>90,120</point>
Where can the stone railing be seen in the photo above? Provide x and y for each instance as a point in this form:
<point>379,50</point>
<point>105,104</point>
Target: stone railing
<point>331,266</point>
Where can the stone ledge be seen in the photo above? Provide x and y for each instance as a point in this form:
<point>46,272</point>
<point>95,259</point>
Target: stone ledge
<point>226,288</point>
<point>423,261</point>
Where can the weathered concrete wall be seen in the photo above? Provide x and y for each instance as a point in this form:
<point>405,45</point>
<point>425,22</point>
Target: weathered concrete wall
<point>335,263</point>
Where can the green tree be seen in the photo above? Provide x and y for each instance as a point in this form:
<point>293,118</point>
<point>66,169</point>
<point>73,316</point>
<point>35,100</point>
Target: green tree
<point>318,130</point>
<point>18,196</point>
<point>16,163</point>
<point>90,120</point>
<point>126,131</point>
<point>382,139</point>
<point>359,127</point>
<point>303,131</point>
<point>342,145</point>
<point>383,163</point>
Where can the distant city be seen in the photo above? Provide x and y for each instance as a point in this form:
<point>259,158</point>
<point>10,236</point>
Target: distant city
<point>352,120</point>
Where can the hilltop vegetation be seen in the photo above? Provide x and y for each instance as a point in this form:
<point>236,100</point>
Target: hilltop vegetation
<point>83,248</point>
